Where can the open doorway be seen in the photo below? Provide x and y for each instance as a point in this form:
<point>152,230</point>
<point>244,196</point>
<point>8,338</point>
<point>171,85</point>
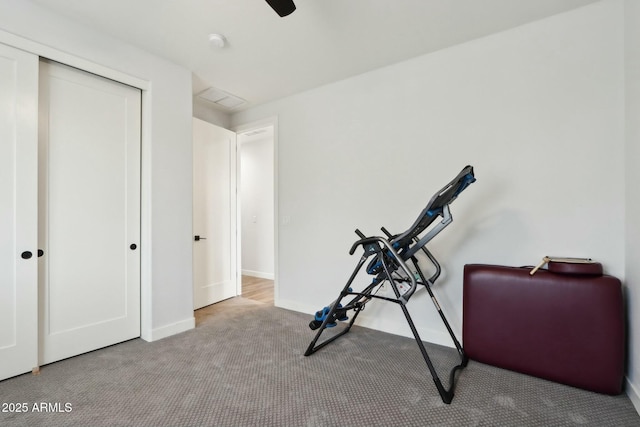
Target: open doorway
<point>256,203</point>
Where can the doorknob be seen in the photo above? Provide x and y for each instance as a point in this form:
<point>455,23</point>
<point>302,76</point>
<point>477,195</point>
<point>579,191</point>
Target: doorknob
<point>197,238</point>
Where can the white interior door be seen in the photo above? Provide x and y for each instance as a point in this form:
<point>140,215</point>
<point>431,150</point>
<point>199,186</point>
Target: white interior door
<point>18,211</point>
<point>214,214</point>
<point>89,198</point>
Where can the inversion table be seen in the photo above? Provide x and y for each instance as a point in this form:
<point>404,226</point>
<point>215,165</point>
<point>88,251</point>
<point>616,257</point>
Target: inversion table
<point>389,260</point>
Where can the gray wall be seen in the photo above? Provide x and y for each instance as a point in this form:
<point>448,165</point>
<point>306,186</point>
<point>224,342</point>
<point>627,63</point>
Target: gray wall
<point>632,155</point>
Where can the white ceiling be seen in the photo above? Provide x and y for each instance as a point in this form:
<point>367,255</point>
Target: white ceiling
<point>268,57</point>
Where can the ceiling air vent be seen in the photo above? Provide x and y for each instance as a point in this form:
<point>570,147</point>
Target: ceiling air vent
<point>221,98</point>
<point>255,132</point>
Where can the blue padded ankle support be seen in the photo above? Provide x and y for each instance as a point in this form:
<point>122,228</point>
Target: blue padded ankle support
<point>322,315</point>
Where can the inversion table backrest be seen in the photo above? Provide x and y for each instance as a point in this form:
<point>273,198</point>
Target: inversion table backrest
<point>438,201</point>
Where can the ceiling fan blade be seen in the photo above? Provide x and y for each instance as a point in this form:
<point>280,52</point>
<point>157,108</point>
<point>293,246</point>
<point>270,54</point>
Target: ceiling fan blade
<point>282,7</point>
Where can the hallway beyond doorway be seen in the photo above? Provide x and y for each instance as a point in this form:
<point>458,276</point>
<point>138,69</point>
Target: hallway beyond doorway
<point>257,289</point>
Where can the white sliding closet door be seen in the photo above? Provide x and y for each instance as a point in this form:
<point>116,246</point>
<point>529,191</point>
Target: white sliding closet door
<point>18,211</point>
<point>89,204</point>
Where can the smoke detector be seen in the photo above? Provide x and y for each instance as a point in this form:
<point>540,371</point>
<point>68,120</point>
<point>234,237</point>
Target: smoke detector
<point>217,41</point>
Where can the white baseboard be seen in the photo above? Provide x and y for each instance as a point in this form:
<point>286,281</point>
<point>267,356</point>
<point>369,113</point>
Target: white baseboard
<point>258,274</point>
<point>171,329</point>
<point>634,394</point>
<point>429,335</point>
<point>294,306</point>
<point>402,329</point>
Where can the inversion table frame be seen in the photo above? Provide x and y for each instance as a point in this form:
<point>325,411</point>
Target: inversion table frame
<point>389,264</point>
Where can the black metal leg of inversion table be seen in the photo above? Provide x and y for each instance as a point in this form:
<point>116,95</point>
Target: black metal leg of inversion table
<point>312,346</point>
<point>446,395</point>
<point>427,284</point>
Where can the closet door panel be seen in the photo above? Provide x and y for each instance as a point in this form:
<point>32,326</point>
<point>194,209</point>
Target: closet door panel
<point>90,211</point>
<point>18,211</point>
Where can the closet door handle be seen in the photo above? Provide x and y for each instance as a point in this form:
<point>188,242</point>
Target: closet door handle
<point>198,238</point>
<point>29,254</point>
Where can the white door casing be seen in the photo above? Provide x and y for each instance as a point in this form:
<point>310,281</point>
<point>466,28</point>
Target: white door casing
<point>89,204</point>
<point>214,214</point>
<point>18,211</point>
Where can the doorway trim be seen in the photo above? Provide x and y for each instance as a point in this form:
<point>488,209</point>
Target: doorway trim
<point>240,129</point>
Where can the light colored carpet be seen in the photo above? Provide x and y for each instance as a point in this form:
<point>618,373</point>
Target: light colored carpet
<point>244,366</point>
